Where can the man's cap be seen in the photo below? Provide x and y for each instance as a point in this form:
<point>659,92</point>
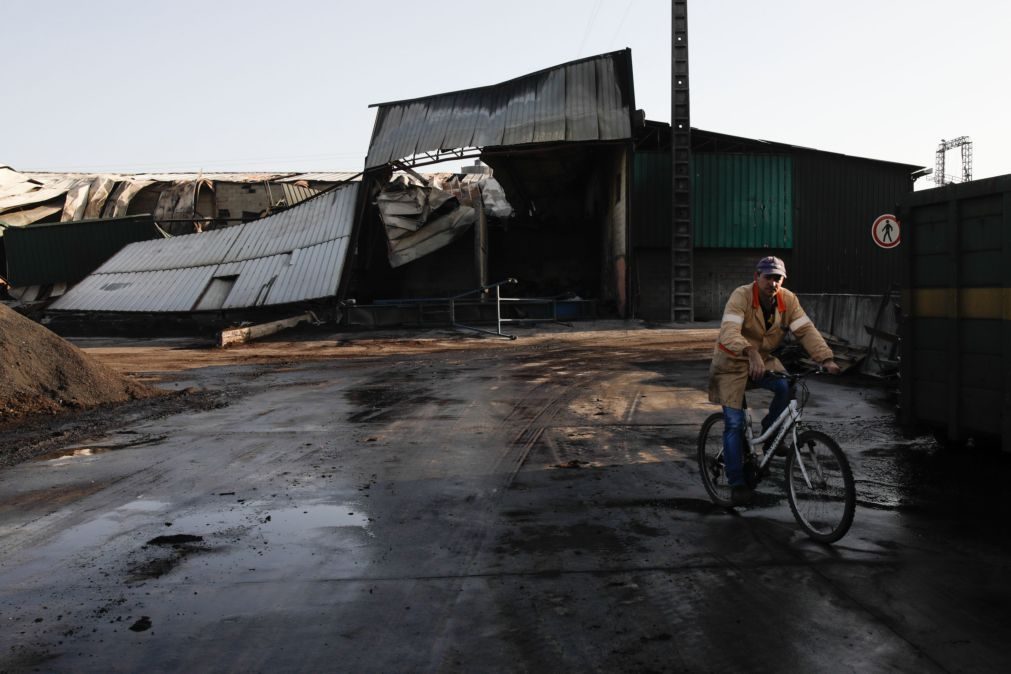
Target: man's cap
<point>771,265</point>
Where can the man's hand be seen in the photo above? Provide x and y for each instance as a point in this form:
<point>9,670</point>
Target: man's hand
<point>756,366</point>
<point>831,367</point>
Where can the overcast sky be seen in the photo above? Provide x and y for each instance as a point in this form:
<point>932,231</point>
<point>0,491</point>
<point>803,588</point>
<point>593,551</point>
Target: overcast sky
<point>128,86</point>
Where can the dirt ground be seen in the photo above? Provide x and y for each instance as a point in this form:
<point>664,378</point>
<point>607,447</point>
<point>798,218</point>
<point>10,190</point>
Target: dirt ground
<point>151,367</point>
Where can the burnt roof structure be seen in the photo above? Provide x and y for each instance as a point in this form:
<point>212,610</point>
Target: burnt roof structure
<point>588,100</point>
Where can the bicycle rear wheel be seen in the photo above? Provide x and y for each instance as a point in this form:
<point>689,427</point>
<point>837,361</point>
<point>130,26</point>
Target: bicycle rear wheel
<point>820,487</point>
<point>710,456</point>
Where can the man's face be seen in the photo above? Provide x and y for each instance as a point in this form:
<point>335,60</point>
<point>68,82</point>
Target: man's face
<point>768,284</point>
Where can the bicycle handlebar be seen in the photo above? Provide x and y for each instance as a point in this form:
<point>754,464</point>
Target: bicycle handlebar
<point>794,377</point>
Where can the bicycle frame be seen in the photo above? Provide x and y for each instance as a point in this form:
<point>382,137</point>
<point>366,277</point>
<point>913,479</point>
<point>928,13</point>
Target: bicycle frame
<point>785,423</point>
<point>819,481</point>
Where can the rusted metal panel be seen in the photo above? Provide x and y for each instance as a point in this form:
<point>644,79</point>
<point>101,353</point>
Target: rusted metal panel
<point>292,256</point>
<point>22,217</point>
<point>586,100</point>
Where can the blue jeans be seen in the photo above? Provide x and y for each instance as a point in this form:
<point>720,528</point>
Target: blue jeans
<point>735,420</point>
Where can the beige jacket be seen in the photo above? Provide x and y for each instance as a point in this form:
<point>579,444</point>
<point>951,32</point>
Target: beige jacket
<point>743,324</point>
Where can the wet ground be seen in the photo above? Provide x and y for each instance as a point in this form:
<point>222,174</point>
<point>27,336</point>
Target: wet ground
<point>363,503</point>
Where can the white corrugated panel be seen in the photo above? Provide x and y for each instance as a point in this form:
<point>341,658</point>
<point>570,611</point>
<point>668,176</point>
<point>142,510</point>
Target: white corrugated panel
<point>292,256</point>
<point>163,290</point>
<point>319,219</point>
<point>189,250</point>
<point>326,177</point>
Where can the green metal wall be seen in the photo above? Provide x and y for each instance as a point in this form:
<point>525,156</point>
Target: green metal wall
<point>69,251</point>
<point>742,200</point>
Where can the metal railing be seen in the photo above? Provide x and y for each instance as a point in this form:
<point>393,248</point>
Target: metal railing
<point>499,320</point>
<point>487,296</point>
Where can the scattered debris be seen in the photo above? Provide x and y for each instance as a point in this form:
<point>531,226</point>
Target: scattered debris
<point>249,333</point>
<point>141,625</point>
<point>175,539</point>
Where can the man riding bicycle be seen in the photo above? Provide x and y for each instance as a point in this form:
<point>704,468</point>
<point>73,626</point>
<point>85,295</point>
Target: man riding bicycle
<point>755,320</point>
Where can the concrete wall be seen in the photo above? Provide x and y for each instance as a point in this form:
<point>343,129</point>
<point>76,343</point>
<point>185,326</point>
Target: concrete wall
<point>845,317</point>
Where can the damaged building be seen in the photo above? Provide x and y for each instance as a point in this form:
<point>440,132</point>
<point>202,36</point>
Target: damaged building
<point>55,228</point>
<point>294,257</point>
<point>546,205</point>
<point>568,202</point>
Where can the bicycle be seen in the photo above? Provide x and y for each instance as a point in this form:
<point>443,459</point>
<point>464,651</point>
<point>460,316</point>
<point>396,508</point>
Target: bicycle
<point>819,480</point>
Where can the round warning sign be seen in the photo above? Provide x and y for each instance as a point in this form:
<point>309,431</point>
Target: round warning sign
<point>885,231</point>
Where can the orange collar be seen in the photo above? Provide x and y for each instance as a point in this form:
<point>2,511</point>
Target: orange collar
<point>755,303</point>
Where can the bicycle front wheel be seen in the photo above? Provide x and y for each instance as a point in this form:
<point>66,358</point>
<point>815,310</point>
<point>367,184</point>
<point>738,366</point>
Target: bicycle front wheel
<point>820,487</point>
<point>710,455</point>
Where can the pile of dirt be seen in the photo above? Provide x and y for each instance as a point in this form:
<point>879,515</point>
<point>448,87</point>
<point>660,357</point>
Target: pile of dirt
<point>42,373</point>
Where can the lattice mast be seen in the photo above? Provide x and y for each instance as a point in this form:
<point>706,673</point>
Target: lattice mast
<point>965,144</point>
<point>682,300</point>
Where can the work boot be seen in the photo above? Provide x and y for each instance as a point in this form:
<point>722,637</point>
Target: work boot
<point>741,496</point>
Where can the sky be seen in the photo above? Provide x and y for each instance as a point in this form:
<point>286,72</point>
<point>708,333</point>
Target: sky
<point>216,85</point>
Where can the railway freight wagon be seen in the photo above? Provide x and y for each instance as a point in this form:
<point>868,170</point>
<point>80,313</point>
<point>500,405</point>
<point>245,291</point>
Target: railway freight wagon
<point>956,305</point>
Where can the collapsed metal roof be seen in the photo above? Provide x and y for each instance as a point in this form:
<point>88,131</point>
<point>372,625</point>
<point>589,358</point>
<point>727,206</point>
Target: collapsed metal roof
<point>31,196</point>
<point>587,100</point>
<point>293,256</point>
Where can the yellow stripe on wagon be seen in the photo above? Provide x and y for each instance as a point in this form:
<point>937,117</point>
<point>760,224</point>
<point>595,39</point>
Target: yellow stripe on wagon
<point>978,303</point>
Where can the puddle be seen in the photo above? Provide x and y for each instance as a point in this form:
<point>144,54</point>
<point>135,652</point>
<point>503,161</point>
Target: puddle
<point>75,453</point>
<point>144,506</point>
<point>320,539</point>
<point>71,453</point>
<point>316,517</point>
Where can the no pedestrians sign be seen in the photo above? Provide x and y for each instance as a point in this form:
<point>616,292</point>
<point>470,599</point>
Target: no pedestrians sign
<point>885,231</point>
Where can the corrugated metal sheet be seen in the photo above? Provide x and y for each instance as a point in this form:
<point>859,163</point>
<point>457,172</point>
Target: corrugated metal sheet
<point>956,305</point>
<point>586,100</point>
<point>293,256</point>
<point>742,200</point>
<point>324,177</point>
<point>67,252</point>
<point>163,290</point>
<point>836,197</point>
<point>651,200</point>
<point>836,200</point>
<point>191,250</point>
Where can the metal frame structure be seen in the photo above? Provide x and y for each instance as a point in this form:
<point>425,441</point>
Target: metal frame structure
<point>438,156</point>
<point>446,308</point>
<point>963,142</point>
<point>552,301</point>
